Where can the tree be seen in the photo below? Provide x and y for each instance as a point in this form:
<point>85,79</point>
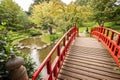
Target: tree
<point>45,14</point>
<point>36,2</point>
<point>116,15</point>
<point>7,49</point>
<point>40,1</point>
<point>24,21</point>
<point>103,9</point>
<point>82,2</point>
<point>11,13</point>
<point>57,15</point>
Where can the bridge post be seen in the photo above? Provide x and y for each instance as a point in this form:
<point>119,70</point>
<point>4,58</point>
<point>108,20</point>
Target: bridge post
<point>118,40</point>
<point>112,36</point>
<point>100,30</point>
<point>76,29</point>
<point>49,69</point>
<point>107,33</point>
<point>58,54</point>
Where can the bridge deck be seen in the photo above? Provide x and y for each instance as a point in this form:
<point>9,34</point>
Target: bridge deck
<point>88,60</point>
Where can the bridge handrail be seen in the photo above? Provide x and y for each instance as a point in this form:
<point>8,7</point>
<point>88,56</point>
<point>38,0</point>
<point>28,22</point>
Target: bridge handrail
<point>62,48</point>
<point>111,40</point>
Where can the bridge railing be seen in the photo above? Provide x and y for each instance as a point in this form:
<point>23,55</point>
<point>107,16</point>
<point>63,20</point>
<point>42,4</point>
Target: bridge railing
<point>61,48</point>
<point>111,40</point>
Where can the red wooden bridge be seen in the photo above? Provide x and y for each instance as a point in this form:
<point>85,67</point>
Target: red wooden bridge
<point>84,58</point>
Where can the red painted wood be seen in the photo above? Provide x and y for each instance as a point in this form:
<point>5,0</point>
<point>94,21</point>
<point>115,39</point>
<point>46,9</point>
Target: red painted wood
<point>111,40</point>
<point>61,47</point>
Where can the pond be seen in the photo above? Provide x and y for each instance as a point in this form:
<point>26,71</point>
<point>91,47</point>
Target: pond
<point>36,48</point>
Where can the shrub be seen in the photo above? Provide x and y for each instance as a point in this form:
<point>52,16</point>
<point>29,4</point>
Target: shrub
<point>34,32</point>
<point>54,37</point>
<point>6,50</point>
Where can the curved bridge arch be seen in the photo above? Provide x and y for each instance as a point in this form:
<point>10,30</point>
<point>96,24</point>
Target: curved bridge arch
<point>111,40</point>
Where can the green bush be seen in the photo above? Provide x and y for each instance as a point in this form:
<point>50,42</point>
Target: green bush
<point>34,32</point>
<point>54,37</point>
<point>28,63</point>
<point>6,50</point>
<point>50,38</point>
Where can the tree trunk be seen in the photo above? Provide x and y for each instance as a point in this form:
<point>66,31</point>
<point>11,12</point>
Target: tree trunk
<point>50,30</point>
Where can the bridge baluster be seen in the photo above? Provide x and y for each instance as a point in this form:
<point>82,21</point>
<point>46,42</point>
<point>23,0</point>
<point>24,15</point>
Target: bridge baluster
<point>58,54</point>
<point>49,69</point>
<point>64,41</point>
<point>106,35</point>
<point>118,40</point>
<point>112,35</point>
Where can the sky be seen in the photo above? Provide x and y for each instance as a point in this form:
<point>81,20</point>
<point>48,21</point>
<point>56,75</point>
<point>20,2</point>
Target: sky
<point>24,4</point>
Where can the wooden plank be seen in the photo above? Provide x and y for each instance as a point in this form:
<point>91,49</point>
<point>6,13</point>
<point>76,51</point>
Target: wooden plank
<point>100,53</point>
<point>75,75</point>
<point>92,67</point>
<point>86,73</point>
<point>93,59</point>
<point>87,59</point>
<point>66,77</point>
<point>90,63</point>
<point>87,50</point>
<point>91,70</point>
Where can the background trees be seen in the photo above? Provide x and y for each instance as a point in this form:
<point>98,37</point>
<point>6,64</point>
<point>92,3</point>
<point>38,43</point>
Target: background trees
<point>12,18</point>
<point>104,9</point>
<point>82,2</point>
<point>53,16</point>
<point>40,1</point>
<point>57,15</point>
<point>12,14</point>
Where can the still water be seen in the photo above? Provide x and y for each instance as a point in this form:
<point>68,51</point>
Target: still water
<point>32,46</point>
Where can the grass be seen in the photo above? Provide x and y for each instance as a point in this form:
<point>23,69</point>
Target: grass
<point>87,24</point>
<point>112,26</point>
<point>46,38</point>
<point>87,35</point>
<point>17,36</point>
<point>93,24</point>
<point>50,38</point>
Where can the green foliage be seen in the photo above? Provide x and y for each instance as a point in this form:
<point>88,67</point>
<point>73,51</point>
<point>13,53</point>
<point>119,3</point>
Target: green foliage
<point>6,50</point>
<point>51,38</point>
<point>57,15</point>
<point>11,13</point>
<point>29,64</point>
<point>54,37</point>
<point>34,32</point>
<point>40,1</point>
<point>46,38</point>
<point>112,25</point>
<point>103,9</point>
<point>116,15</point>
<point>82,2</point>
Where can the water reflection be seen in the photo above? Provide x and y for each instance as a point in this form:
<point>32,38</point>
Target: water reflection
<point>44,52</point>
<point>35,56</point>
<point>31,46</point>
<point>31,41</point>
